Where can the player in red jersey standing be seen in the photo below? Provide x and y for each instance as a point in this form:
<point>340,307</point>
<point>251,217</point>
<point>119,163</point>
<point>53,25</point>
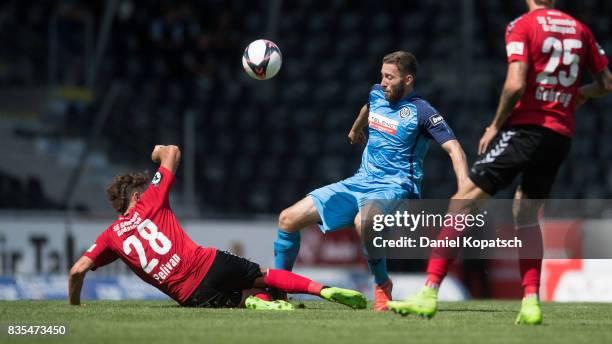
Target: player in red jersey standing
<point>149,239</point>
<point>548,51</point>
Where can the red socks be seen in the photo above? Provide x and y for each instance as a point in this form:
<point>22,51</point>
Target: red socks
<point>436,271</point>
<point>263,296</point>
<point>531,265</point>
<point>433,280</point>
<point>292,283</point>
<point>441,257</point>
<point>530,274</point>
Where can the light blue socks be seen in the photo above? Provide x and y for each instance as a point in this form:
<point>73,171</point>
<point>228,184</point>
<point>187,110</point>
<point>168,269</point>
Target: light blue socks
<point>286,249</point>
<point>378,268</point>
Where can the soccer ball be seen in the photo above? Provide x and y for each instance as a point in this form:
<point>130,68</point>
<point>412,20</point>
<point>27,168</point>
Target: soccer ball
<point>262,59</point>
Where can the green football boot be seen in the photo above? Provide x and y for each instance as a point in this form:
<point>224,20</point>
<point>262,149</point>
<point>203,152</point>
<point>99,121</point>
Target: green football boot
<point>531,313</point>
<point>424,303</point>
<point>347,297</point>
<point>253,302</point>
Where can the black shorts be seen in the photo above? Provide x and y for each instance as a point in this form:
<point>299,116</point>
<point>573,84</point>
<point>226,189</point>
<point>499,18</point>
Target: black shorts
<point>222,286</point>
<point>534,151</point>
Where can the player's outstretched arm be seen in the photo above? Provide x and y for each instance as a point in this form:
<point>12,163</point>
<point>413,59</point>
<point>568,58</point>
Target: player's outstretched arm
<point>169,157</point>
<point>356,134</point>
<point>602,86</point>
<point>458,159</point>
<point>516,81</point>
<point>76,277</point>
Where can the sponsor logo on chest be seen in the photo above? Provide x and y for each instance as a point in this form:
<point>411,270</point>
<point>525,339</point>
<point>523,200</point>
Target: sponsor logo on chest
<point>382,123</point>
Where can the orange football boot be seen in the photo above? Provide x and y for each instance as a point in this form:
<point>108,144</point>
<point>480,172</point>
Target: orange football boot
<point>382,294</point>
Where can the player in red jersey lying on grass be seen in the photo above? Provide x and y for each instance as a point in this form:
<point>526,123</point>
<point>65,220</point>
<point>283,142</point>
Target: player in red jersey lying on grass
<point>149,239</point>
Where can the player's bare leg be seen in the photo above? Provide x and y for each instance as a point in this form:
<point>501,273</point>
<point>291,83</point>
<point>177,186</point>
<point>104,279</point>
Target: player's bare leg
<point>525,213</point>
<point>383,286</point>
<point>425,302</point>
<point>290,282</point>
<point>302,214</point>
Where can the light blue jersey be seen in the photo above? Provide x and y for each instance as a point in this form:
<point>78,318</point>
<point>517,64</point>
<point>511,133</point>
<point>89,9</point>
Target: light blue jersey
<point>392,162</point>
<point>399,136</point>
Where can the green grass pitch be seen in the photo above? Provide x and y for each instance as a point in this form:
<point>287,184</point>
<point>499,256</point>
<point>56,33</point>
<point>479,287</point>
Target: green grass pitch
<point>319,322</point>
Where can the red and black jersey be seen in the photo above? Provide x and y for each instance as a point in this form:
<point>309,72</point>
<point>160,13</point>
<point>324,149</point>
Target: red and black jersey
<point>150,240</point>
<point>557,48</point>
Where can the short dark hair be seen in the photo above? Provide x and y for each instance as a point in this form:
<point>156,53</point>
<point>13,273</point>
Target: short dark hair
<point>123,186</point>
<point>406,62</point>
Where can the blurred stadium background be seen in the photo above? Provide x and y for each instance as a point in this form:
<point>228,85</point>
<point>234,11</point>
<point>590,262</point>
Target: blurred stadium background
<point>87,88</point>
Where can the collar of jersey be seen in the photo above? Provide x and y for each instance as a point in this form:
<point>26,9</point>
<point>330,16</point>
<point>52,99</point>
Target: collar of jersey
<point>406,98</point>
<point>129,214</point>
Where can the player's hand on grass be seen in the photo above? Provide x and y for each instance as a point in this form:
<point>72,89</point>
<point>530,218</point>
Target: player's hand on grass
<point>486,138</point>
<point>357,136</point>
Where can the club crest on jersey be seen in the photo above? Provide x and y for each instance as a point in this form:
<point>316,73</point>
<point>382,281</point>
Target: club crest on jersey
<point>436,119</point>
<point>156,178</point>
<point>404,112</point>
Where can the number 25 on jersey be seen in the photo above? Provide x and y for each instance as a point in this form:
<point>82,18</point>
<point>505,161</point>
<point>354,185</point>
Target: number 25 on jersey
<point>560,53</point>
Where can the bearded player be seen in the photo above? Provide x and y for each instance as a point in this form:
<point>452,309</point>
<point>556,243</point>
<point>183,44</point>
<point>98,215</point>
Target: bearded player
<point>149,239</point>
<point>548,50</point>
<point>400,126</point>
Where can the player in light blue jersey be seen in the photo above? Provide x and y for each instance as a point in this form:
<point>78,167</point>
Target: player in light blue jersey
<point>400,126</point>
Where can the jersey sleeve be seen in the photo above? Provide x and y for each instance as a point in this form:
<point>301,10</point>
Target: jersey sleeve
<point>596,59</point>
<point>517,41</point>
<point>433,124</point>
<point>100,252</point>
<point>158,193</point>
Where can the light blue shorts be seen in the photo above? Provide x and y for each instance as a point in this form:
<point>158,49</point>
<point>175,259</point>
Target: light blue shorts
<point>339,203</point>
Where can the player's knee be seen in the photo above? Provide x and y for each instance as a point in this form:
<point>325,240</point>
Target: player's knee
<point>287,221</point>
<point>470,191</point>
<point>461,203</point>
<point>461,194</point>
